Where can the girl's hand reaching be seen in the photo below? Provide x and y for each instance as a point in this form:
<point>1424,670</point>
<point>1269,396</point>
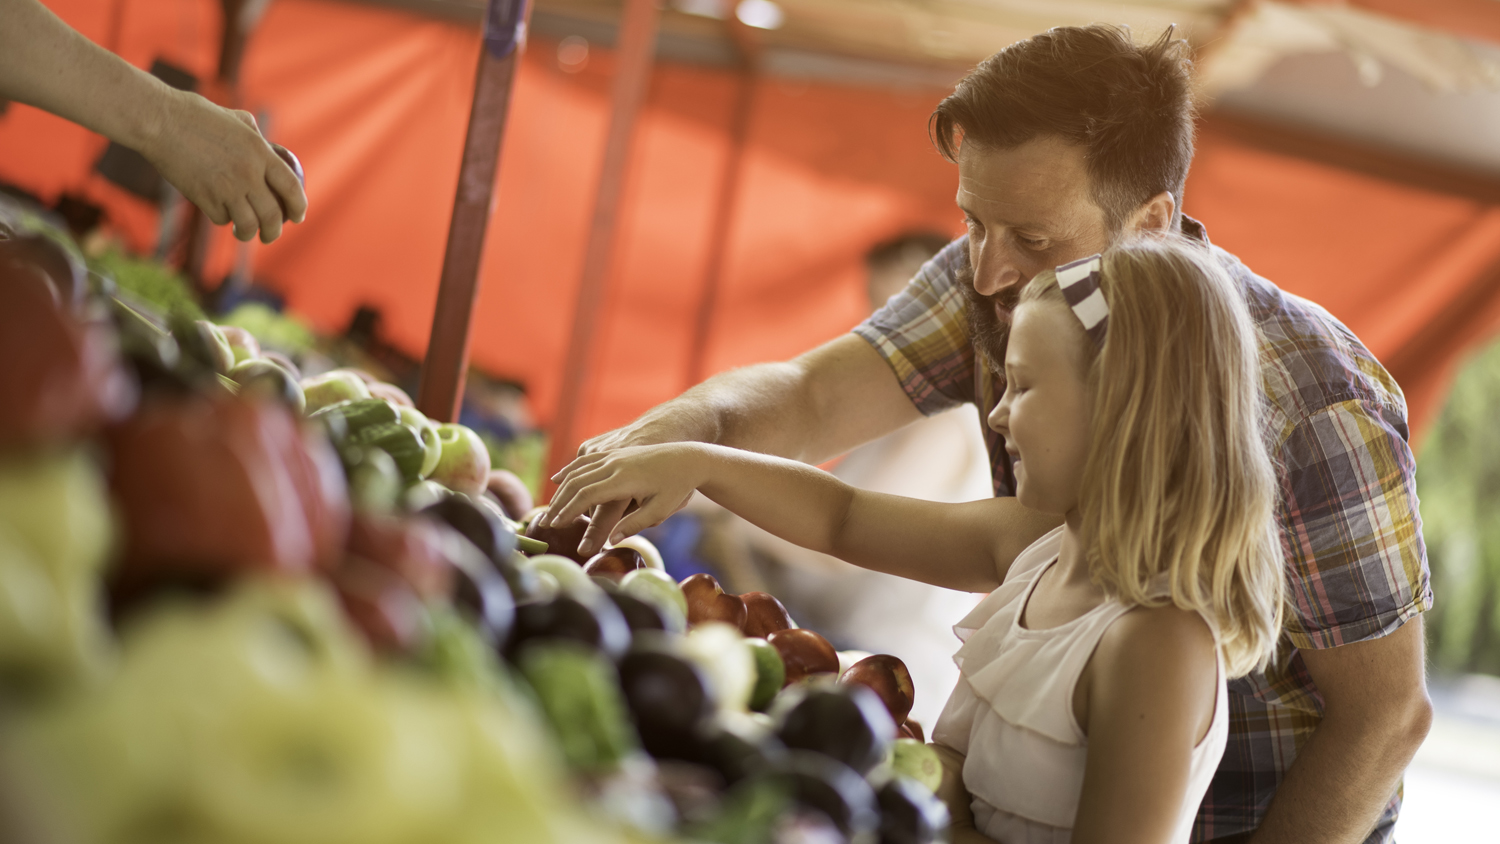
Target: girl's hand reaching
<point>659,479</point>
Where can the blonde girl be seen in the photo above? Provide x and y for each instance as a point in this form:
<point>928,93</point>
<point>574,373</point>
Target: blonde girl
<point>1091,704</point>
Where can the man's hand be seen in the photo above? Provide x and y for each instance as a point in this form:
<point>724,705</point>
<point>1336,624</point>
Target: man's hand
<point>1376,713</point>
<point>825,402</point>
<point>660,479</point>
<point>677,421</point>
<point>219,161</point>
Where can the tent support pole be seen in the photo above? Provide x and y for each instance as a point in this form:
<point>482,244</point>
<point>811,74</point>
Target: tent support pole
<point>447,360</point>
<point>635,51</point>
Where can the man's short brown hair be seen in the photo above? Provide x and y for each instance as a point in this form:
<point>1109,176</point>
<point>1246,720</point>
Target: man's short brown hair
<point>1129,106</point>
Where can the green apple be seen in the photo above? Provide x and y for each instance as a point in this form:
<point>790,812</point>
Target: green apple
<point>432,447</point>
<point>720,652</point>
<point>912,758</point>
<point>241,342</point>
<point>465,462</point>
<point>656,587</point>
<point>770,673</point>
<point>260,378</point>
<point>569,575</point>
<point>332,388</point>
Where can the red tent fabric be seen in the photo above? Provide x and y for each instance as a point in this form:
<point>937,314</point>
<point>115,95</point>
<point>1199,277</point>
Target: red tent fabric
<point>375,102</point>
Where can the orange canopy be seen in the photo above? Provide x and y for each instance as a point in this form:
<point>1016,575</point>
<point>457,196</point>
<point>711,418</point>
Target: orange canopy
<point>375,103</point>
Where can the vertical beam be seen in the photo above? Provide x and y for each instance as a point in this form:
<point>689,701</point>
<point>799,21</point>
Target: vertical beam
<point>634,51</point>
<point>729,194</point>
<point>447,360</point>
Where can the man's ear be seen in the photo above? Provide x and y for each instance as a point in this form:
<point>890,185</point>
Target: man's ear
<point>1155,216</point>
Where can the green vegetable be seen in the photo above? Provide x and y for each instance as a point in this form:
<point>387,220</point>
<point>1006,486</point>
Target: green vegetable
<point>401,442</point>
<point>580,694</point>
<point>150,281</point>
<point>358,414</point>
<point>274,330</point>
<point>55,535</point>
<point>527,545</point>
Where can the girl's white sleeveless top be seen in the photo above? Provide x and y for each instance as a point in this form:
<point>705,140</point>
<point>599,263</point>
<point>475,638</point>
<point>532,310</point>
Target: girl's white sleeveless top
<point>1011,714</point>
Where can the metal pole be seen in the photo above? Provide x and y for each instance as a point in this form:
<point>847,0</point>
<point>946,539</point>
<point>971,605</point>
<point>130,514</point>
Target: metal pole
<point>635,50</point>
<point>447,360</point>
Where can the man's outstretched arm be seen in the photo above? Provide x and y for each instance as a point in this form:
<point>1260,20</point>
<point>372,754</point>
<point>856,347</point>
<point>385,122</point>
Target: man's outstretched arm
<point>814,407</point>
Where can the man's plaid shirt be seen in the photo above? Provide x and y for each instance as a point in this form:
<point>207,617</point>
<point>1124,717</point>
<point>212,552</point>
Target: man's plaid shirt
<point>1336,423</point>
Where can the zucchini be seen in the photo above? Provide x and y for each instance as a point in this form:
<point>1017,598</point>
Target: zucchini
<point>528,546</point>
<point>401,442</point>
<point>348,418</point>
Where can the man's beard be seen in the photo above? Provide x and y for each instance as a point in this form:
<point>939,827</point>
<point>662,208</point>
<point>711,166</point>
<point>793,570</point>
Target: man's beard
<point>987,331</point>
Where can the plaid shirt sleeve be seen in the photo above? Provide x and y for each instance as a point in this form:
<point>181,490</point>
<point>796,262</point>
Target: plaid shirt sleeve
<point>921,332</point>
<point>1351,530</point>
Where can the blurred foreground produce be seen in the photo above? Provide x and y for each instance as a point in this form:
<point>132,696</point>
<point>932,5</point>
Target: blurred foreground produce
<point>242,605</point>
<point>262,717</point>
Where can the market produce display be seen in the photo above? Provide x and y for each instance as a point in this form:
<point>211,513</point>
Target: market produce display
<point>240,603</point>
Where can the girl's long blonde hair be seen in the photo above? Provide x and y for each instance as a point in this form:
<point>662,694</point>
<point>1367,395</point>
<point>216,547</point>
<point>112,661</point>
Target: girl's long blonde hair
<point>1178,479</point>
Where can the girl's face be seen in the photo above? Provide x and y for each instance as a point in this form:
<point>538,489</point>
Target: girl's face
<point>1044,414</point>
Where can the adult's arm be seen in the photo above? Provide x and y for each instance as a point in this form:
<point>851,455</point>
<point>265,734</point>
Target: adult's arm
<point>1376,713</point>
<point>811,408</point>
<point>214,156</point>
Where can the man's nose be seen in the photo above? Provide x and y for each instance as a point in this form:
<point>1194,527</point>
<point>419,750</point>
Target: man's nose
<point>996,271</point>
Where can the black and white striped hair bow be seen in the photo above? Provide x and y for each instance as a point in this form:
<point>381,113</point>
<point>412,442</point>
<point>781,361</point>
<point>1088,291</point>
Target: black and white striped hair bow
<point>1079,282</point>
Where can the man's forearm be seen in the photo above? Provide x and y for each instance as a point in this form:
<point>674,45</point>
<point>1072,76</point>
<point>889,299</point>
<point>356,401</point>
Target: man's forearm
<point>1343,778</point>
<point>757,408</point>
<point>47,64</point>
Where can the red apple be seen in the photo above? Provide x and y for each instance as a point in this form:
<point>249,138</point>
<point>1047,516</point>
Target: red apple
<point>804,652</point>
<point>561,539</point>
<point>381,605</point>
<point>887,676</point>
<point>614,563</point>
<point>412,548</point>
<point>512,493</point>
<point>764,615</point>
<point>707,601</point>
<point>61,377</point>
<point>911,729</point>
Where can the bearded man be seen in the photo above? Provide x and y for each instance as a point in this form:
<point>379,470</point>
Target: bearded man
<point>1066,143</point>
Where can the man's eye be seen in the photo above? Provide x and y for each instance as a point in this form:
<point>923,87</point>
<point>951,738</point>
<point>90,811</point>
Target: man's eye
<point>1034,242</point>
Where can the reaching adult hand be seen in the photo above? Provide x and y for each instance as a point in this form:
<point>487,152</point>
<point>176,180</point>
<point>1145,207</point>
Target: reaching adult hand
<point>219,161</point>
<point>660,479</point>
<point>673,422</point>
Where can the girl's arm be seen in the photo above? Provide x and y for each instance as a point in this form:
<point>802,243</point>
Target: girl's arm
<point>1149,692</point>
<point>952,792</point>
<point>951,545</point>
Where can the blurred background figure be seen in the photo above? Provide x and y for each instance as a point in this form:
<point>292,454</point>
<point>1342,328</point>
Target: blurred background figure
<point>938,458</point>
